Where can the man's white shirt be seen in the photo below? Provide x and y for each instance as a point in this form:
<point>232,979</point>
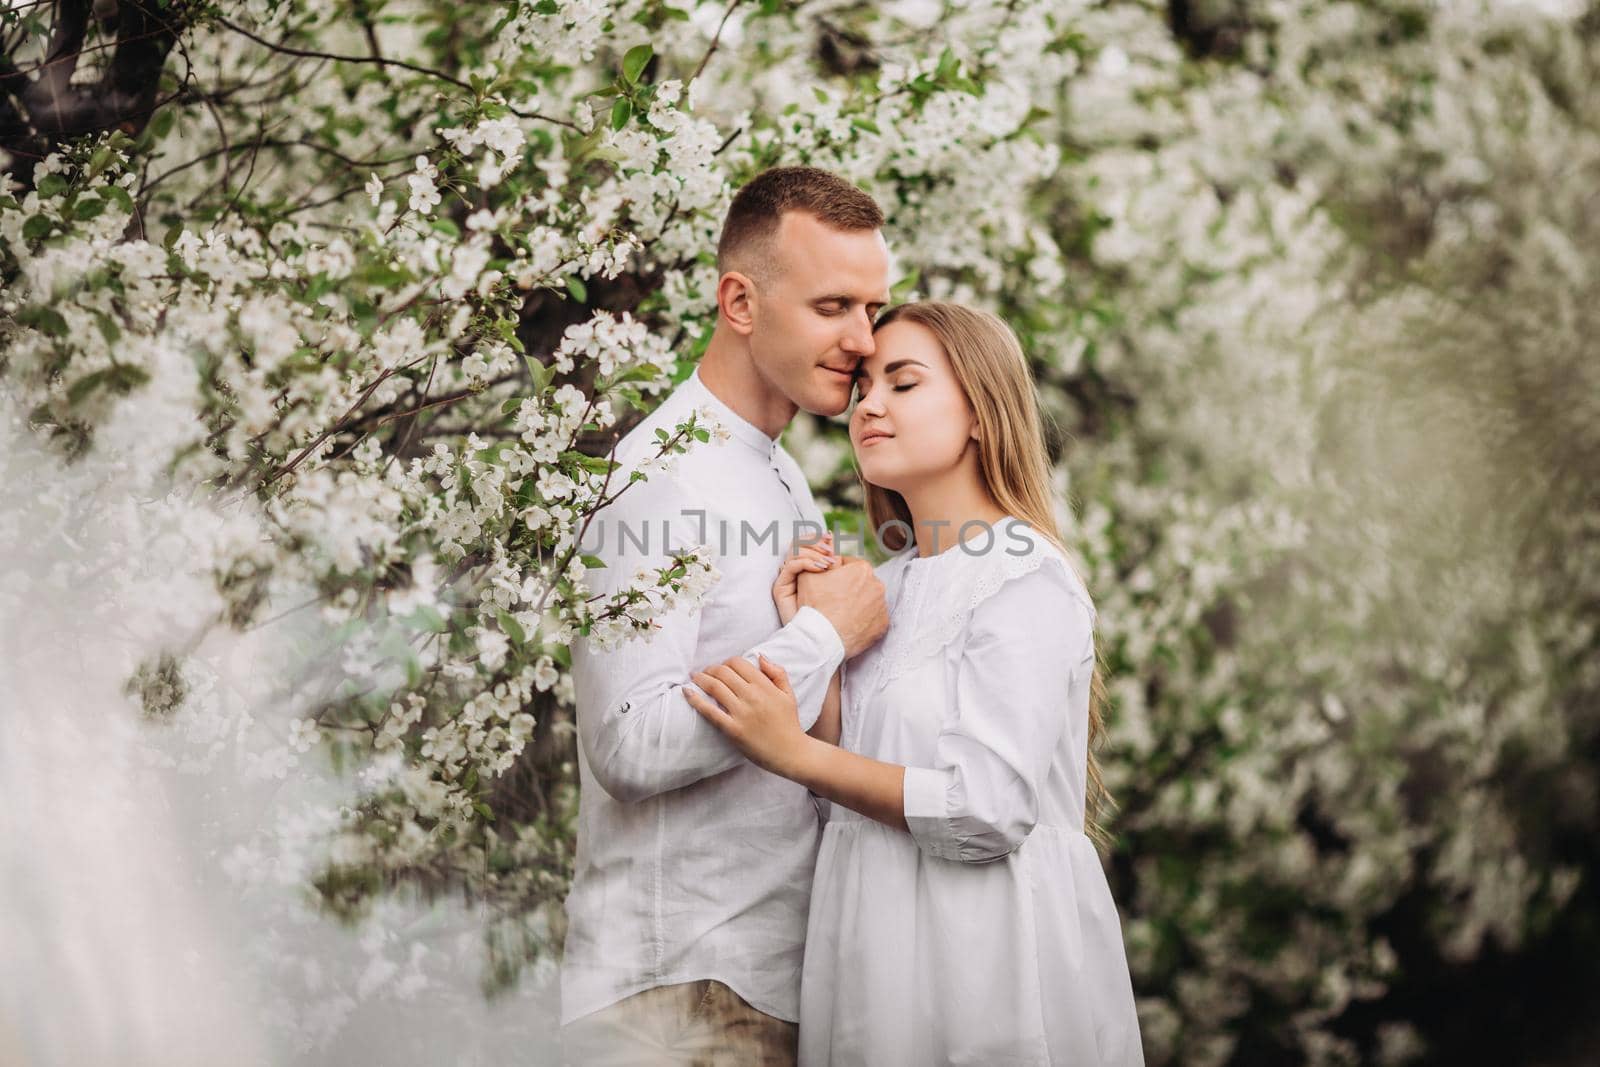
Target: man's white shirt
<point>692,862</point>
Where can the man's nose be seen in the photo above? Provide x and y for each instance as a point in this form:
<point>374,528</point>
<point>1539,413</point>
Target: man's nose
<point>859,338</point>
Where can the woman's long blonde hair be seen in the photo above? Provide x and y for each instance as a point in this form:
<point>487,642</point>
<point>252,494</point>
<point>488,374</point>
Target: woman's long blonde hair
<point>994,374</point>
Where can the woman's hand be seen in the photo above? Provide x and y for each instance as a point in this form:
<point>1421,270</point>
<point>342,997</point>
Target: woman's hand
<point>806,558</point>
<point>755,708</point>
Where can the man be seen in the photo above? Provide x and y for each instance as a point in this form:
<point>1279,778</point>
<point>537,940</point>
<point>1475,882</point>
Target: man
<point>686,919</point>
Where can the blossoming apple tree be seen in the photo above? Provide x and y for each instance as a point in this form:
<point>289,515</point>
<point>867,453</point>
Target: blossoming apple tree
<point>381,283</point>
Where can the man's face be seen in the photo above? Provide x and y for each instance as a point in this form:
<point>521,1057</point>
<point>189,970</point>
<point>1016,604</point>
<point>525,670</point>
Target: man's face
<point>812,320</point>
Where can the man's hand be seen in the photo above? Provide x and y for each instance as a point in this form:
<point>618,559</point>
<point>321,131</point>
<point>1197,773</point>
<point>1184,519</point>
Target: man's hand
<point>851,597</point>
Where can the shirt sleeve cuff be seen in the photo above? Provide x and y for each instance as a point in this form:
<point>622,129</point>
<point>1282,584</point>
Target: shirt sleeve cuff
<point>815,625</point>
<point>924,790</point>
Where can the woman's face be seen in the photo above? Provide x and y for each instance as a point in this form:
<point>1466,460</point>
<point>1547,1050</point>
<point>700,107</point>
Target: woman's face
<point>911,422</point>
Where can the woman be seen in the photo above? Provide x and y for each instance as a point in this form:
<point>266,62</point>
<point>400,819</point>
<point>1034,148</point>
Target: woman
<point>959,912</point>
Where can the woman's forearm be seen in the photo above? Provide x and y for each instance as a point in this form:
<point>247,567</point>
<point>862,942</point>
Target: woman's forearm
<point>860,783</point>
<point>827,726</point>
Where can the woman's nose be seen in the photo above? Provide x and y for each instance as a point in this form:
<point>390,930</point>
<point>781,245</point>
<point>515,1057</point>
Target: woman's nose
<point>871,402</point>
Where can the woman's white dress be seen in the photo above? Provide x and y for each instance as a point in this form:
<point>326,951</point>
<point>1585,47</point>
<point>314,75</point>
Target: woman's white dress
<point>988,935</point>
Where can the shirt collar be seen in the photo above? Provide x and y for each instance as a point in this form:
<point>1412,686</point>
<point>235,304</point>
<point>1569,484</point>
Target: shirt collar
<point>741,428</point>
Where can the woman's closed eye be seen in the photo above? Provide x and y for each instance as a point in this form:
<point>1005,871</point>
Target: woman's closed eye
<point>861,387</point>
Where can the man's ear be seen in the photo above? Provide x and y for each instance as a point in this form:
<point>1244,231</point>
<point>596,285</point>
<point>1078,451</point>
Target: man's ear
<point>735,299</point>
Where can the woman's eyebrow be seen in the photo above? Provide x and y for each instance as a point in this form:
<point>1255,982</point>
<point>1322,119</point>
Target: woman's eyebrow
<point>891,368</point>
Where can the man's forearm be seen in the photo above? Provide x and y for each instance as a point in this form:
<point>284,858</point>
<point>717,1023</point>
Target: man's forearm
<point>649,739</point>
<point>651,747</point>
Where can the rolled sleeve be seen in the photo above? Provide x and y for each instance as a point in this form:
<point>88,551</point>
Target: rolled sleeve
<point>926,811</point>
<point>809,650</point>
<point>815,625</point>
<point>639,733</point>
<point>980,799</point>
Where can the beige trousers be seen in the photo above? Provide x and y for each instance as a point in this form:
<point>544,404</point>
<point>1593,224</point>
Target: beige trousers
<point>695,1024</point>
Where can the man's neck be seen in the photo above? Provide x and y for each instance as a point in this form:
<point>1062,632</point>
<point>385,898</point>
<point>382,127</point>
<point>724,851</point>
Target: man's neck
<point>728,370</point>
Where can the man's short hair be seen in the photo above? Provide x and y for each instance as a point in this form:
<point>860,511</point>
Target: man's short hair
<point>758,207</point>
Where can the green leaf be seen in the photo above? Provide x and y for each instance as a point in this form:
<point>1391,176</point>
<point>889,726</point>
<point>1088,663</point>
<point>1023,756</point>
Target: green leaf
<point>593,464</point>
<point>51,185</point>
<point>580,149</point>
<point>123,198</point>
<point>512,627</point>
<point>866,124</point>
<point>510,13</point>
<point>118,379</point>
<point>380,275</point>
<point>483,809</point>
<point>637,373</point>
<point>100,159</point>
<point>594,563</point>
<point>88,208</point>
<point>426,617</point>
<point>621,112</point>
<point>108,327</point>
<point>36,227</point>
<point>633,63</point>
<point>579,291</point>
<point>345,630</point>
<point>901,289</point>
<point>46,320</point>
<point>540,373</point>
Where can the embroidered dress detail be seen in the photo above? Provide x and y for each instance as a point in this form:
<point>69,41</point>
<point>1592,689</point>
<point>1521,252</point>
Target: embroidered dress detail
<point>964,579</point>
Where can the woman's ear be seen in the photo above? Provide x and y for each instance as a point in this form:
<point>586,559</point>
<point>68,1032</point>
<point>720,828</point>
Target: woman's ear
<point>735,300</point>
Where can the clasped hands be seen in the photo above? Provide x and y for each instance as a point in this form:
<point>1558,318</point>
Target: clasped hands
<point>753,704</point>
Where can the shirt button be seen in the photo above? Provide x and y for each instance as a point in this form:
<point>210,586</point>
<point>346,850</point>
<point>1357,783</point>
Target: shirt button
<point>626,705</point>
